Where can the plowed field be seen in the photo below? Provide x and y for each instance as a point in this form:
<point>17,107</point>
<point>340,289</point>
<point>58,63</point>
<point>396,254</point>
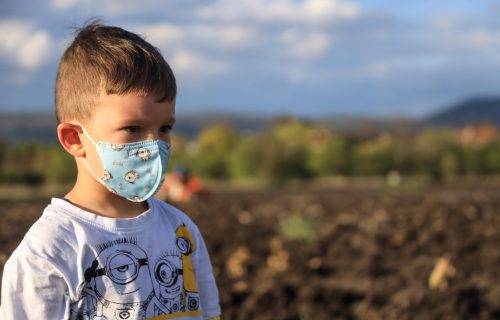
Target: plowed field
<point>340,254</point>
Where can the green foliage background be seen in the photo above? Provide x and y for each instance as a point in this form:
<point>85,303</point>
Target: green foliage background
<point>287,149</point>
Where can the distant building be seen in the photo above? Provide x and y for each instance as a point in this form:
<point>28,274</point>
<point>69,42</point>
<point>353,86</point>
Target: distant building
<point>478,134</point>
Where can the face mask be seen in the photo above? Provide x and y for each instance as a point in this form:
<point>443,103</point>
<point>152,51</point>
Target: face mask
<point>132,170</point>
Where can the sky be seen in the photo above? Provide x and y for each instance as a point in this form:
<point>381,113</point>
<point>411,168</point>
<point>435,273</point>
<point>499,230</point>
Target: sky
<point>313,58</point>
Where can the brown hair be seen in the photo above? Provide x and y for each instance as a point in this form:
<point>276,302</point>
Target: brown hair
<point>104,59</point>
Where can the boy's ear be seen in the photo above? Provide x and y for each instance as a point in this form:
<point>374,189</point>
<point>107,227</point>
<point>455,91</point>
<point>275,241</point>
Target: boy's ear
<point>69,137</point>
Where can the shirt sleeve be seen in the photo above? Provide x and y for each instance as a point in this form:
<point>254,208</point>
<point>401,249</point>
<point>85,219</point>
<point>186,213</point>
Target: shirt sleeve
<point>32,288</point>
<point>209,294</point>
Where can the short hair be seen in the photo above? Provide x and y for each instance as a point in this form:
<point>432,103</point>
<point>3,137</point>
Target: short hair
<point>106,59</point>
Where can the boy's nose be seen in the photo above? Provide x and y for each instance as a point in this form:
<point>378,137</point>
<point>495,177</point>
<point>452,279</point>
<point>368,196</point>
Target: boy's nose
<point>152,136</point>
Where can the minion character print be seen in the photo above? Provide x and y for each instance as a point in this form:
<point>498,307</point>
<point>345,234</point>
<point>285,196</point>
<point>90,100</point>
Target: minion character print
<point>122,282</point>
<point>174,273</point>
<point>117,284</point>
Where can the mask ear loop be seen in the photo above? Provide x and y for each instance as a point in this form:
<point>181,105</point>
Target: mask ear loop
<point>86,162</point>
<point>88,136</point>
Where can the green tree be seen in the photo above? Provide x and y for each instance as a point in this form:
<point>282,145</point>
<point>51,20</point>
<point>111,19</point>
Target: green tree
<point>434,154</point>
<point>292,132</point>
<point>213,147</point>
<point>492,158</point>
<point>20,164</point>
<point>57,166</point>
<point>450,163</point>
<point>181,152</point>
<point>474,161</point>
<point>375,156</point>
<point>244,160</point>
<point>218,138</point>
<point>280,162</point>
<point>330,157</point>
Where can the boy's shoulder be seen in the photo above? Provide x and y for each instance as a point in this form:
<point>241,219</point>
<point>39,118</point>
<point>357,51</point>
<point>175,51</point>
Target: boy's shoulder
<point>51,238</point>
<point>62,227</point>
<point>171,212</point>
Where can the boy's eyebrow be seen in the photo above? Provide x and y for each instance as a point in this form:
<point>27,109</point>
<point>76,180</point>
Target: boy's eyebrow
<point>127,121</point>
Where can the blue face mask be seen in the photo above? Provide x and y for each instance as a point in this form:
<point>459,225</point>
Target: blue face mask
<point>132,170</point>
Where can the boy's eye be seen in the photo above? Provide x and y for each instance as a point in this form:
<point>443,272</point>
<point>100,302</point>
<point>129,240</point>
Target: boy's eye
<point>133,129</point>
<point>166,129</point>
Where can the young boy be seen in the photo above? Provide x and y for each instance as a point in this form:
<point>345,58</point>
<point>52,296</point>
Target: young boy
<point>107,250</point>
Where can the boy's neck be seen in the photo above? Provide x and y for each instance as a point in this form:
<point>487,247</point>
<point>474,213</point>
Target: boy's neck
<point>100,201</point>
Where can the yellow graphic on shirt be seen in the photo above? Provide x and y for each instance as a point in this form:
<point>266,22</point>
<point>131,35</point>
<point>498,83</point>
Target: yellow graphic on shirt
<point>189,280</point>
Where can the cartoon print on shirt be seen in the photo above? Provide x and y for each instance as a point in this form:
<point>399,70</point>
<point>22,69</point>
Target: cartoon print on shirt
<point>175,275</point>
<point>123,283</point>
<point>118,284</point>
<point>168,273</point>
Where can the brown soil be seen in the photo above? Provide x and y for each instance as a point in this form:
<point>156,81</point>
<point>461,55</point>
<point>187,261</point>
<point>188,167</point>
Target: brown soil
<point>340,254</point>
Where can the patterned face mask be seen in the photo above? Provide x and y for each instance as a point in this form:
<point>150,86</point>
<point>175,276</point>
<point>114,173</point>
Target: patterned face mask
<point>132,170</point>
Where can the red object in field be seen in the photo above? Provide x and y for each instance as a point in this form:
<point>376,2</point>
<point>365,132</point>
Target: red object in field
<point>180,186</point>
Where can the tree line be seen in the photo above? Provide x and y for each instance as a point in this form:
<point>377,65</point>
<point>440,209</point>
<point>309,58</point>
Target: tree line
<point>287,149</point>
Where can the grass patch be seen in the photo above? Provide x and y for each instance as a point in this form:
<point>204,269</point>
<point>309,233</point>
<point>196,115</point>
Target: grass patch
<point>299,227</point>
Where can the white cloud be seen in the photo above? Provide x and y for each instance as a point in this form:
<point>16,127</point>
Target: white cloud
<point>23,44</point>
<point>35,50</point>
<point>162,34</point>
<point>306,45</point>
<point>303,11</point>
<point>225,36</point>
<point>326,9</point>
<point>109,7</point>
<point>481,39</point>
<point>195,66</point>
<point>11,34</point>
<point>65,4</point>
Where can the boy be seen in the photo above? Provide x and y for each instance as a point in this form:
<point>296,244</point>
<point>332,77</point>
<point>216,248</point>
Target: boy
<point>107,250</point>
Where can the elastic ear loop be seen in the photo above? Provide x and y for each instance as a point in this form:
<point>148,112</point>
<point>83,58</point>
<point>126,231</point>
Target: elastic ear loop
<point>87,164</point>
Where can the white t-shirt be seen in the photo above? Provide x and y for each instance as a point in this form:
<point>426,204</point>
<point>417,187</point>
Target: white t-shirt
<point>73,264</point>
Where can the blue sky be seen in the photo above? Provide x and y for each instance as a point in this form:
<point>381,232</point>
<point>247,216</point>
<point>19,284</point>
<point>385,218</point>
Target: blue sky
<point>299,57</point>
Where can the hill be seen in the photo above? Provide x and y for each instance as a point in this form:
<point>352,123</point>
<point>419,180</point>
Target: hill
<point>472,111</point>
<point>41,127</point>
<point>18,127</point>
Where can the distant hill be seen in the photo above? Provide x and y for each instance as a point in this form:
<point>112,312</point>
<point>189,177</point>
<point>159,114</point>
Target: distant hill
<point>191,124</point>
<point>42,127</point>
<point>473,111</point>
<point>17,127</point>
<point>22,127</point>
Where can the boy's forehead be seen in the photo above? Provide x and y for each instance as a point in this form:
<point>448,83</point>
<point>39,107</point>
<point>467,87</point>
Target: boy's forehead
<point>130,106</point>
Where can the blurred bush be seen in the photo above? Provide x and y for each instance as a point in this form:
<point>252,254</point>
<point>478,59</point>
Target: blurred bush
<point>287,149</point>
<point>35,163</point>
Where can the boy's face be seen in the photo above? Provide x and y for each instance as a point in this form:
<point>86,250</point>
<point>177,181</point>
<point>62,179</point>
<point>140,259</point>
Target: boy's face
<point>131,118</point>
<point>127,118</point>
